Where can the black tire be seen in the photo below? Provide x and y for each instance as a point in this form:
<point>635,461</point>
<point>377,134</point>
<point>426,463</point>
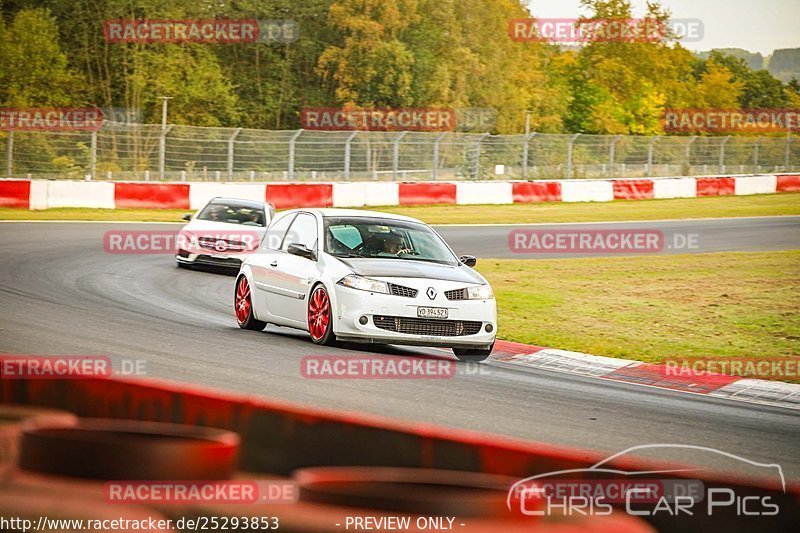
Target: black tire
<point>317,336</point>
<point>92,448</point>
<point>244,315</point>
<point>473,355</point>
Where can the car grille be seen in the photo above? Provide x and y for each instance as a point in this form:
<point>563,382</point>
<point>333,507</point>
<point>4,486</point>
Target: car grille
<point>457,294</point>
<point>427,326</point>
<point>210,243</point>
<point>211,260</point>
<point>399,290</point>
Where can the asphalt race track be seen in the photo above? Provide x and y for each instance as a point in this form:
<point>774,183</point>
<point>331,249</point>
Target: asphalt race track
<point>63,295</point>
<point>679,236</point>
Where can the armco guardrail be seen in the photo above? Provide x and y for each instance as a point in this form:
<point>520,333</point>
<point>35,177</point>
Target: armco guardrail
<point>44,194</point>
<point>187,153</point>
<point>279,438</point>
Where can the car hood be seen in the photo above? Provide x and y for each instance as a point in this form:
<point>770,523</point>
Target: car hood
<point>199,226</point>
<point>396,268</point>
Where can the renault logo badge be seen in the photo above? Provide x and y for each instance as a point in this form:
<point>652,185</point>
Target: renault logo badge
<point>431,293</point>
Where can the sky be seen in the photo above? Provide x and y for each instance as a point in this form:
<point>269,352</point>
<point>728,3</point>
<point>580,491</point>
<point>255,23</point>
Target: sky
<point>755,25</point>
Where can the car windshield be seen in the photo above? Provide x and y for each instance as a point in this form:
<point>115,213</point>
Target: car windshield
<point>364,237</point>
<point>233,213</point>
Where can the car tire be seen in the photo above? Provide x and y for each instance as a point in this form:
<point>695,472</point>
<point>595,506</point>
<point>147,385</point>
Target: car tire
<point>320,316</point>
<point>472,355</point>
<point>243,306</point>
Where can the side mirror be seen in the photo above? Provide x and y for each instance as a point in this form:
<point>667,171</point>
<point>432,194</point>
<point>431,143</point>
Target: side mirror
<point>187,217</point>
<point>468,260</point>
<point>302,251</point>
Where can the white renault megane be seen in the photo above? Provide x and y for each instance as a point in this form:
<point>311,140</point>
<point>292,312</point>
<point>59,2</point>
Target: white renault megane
<point>364,276</point>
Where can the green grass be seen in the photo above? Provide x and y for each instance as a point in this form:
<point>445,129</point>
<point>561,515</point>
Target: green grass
<point>652,308</point>
<point>85,213</point>
<point>620,210</point>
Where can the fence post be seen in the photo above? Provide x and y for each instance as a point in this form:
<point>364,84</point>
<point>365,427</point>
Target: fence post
<point>755,153</point>
<point>347,155</point>
<point>396,155</point>
<point>650,155</point>
<point>10,153</point>
<point>93,156</point>
<point>291,152</point>
<point>230,153</point>
<point>528,137</point>
<point>689,153</point>
<point>478,158</point>
<point>722,154</point>
<point>162,148</point>
<point>569,154</point>
<point>788,150</point>
<point>436,155</point>
<point>612,154</point>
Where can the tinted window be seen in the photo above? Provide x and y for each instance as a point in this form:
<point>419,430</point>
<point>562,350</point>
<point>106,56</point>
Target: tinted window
<point>302,231</point>
<point>274,235</point>
<point>384,238</point>
<point>233,213</point>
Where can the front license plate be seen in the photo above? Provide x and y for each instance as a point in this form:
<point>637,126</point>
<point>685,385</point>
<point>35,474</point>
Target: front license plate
<point>432,312</point>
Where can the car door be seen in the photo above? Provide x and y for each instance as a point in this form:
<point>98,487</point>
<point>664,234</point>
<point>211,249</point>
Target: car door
<point>267,255</point>
<point>289,275</point>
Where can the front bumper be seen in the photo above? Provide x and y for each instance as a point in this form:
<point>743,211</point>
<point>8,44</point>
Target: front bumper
<point>210,259</point>
<point>352,304</point>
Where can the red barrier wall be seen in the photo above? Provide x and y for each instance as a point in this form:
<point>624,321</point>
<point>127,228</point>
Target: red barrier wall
<point>278,437</point>
<point>536,191</point>
<point>715,186</point>
<point>788,183</point>
<point>289,195</point>
<point>152,195</point>
<point>427,193</point>
<point>15,193</point>
<point>633,190</point>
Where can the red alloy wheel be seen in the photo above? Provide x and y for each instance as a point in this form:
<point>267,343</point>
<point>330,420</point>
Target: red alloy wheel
<point>242,303</point>
<point>319,313</point>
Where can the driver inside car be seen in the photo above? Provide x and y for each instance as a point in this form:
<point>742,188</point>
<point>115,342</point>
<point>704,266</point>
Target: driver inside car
<point>393,244</point>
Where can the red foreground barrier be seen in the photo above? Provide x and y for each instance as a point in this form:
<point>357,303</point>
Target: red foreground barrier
<point>280,438</point>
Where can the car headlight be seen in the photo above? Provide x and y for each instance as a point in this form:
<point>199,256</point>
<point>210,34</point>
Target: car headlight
<point>364,284</point>
<point>480,292</point>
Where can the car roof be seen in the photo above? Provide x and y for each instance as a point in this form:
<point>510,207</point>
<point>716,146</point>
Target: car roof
<point>238,201</point>
<point>360,213</point>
